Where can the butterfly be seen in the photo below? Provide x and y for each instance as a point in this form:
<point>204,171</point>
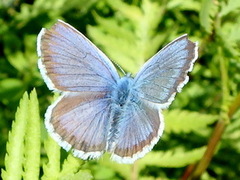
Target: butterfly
<point>99,111</point>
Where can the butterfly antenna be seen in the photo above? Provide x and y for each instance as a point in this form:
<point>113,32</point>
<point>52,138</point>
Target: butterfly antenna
<point>119,67</point>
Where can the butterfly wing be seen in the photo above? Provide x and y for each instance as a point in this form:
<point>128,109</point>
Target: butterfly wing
<point>166,72</point>
<point>80,121</point>
<point>70,62</point>
<point>140,129</point>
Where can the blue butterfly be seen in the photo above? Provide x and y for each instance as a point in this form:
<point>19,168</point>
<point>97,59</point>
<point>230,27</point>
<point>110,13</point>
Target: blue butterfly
<point>99,111</point>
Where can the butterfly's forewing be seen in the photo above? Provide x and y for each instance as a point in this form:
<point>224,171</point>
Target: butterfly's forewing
<point>70,62</point>
<point>166,72</point>
<point>80,121</point>
<point>140,129</point>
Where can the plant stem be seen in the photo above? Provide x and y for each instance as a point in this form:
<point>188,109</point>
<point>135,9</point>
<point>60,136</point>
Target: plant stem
<point>134,171</point>
<point>212,144</point>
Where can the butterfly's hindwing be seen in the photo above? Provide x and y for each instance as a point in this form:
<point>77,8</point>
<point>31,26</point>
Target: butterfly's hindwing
<point>141,127</point>
<point>80,121</point>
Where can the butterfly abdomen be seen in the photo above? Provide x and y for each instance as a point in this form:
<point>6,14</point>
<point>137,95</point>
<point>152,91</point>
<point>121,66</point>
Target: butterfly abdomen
<point>120,97</point>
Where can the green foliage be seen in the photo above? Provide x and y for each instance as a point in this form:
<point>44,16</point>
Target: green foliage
<point>207,12</point>
<point>51,168</point>
<point>172,158</point>
<point>15,145</point>
<point>23,147</point>
<point>179,121</point>
<point>129,32</point>
<point>69,169</point>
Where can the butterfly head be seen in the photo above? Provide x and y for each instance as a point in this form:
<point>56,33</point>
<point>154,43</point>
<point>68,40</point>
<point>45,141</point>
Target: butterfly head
<point>121,92</point>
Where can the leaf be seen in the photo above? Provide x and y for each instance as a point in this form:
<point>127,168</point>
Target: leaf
<point>51,169</point>
<point>15,145</point>
<point>229,37</point>
<point>208,9</point>
<point>23,147</point>
<point>71,169</point>
<point>32,140</point>
<point>130,38</point>
<point>184,5</point>
<point>82,174</point>
<point>10,89</point>
<point>71,165</point>
<point>229,7</point>
<point>132,12</point>
<point>186,121</point>
<point>172,158</point>
<point>123,170</point>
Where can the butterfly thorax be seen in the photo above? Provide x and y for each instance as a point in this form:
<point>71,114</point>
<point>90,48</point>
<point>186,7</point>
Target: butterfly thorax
<point>121,92</point>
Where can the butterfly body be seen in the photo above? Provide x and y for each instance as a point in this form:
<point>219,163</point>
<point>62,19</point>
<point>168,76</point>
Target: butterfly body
<point>121,93</point>
<point>100,112</point>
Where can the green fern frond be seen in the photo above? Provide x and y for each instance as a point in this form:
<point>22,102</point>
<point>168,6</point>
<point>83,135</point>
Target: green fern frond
<point>230,44</point>
<point>23,147</point>
<point>187,121</point>
<point>129,11</point>
<point>172,158</point>
<point>82,174</point>
<point>232,133</point>
<point>107,164</point>
<point>15,145</point>
<point>184,5</point>
<point>131,38</point>
<point>71,165</point>
<point>51,169</point>
<point>207,12</point>
<point>229,7</point>
<point>71,169</point>
<point>234,31</point>
<point>32,140</point>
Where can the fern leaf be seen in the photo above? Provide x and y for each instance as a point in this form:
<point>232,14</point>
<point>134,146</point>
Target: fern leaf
<point>82,174</point>
<point>117,42</point>
<point>172,158</point>
<point>131,38</point>
<point>106,163</point>
<point>32,139</point>
<point>187,121</point>
<point>184,5</point>
<point>132,12</point>
<point>208,9</point>
<point>71,165</point>
<point>15,144</point>
<point>51,169</point>
<point>229,7</point>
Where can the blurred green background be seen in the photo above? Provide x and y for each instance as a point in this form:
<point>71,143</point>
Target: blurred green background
<point>129,32</point>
